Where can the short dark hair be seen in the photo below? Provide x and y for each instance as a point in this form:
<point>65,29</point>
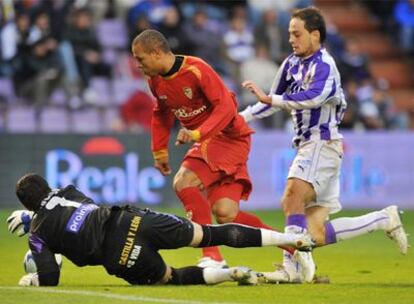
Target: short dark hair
<point>151,40</point>
<point>313,19</point>
<point>31,190</point>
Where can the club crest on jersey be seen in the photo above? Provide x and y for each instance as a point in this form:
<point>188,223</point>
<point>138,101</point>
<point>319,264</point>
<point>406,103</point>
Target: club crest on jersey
<point>188,92</point>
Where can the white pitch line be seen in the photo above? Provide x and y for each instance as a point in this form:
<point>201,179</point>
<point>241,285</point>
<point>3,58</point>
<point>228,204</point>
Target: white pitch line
<point>107,295</point>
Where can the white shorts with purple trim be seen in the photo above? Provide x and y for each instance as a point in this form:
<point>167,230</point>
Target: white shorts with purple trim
<point>319,163</point>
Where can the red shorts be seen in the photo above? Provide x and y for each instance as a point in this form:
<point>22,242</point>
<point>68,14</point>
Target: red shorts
<point>220,162</point>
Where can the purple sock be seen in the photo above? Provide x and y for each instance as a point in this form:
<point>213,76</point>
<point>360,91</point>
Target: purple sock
<point>330,235</point>
<point>298,220</point>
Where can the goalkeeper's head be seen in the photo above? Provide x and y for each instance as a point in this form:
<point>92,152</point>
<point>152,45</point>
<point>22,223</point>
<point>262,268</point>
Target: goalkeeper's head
<point>31,190</point>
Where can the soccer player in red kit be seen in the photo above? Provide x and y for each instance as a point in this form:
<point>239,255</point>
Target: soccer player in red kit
<point>213,176</point>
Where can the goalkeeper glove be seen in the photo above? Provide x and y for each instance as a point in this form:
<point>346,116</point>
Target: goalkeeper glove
<point>30,279</point>
<point>19,222</point>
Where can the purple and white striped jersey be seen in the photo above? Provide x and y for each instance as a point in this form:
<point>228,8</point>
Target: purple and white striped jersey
<point>310,88</point>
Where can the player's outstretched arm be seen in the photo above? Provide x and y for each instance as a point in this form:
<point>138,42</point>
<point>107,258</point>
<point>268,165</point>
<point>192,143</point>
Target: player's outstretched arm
<point>19,222</point>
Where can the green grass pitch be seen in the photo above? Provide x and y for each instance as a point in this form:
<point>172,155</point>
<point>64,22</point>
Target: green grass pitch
<point>368,269</point>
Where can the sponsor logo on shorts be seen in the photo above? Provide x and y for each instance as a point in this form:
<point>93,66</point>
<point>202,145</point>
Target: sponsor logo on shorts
<point>134,256</point>
<point>78,217</point>
<point>129,242</point>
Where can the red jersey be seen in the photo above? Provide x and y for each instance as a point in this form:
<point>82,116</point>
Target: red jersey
<point>199,99</point>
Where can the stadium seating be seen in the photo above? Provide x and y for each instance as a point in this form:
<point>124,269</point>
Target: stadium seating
<point>21,119</point>
<point>54,120</point>
<point>385,59</point>
<point>86,121</point>
<point>7,89</point>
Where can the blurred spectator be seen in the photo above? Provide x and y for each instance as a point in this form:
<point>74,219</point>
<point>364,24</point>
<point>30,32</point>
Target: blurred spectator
<point>173,31</point>
<point>57,12</point>
<point>39,74</point>
<point>14,43</point>
<point>383,10</point>
<point>87,50</point>
<point>334,41</point>
<point>206,43</point>
<point>155,10</point>
<point>385,104</point>
<point>40,28</point>
<point>261,70</point>
<point>141,23</point>
<point>350,119</point>
<point>369,113</point>
<point>238,44</point>
<point>267,32</point>
<point>353,64</point>
<point>135,114</point>
<point>404,15</point>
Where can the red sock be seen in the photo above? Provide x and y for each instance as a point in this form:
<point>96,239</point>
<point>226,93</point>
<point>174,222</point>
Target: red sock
<point>254,221</point>
<point>195,203</point>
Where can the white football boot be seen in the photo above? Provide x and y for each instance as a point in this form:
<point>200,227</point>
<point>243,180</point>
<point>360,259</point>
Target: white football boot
<point>244,275</point>
<point>207,262</point>
<point>304,242</point>
<point>297,268</point>
<point>306,265</point>
<point>395,229</point>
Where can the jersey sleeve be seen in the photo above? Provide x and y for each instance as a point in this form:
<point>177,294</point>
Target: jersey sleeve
<point>279,85</point>
<point>47,269</point>
<point>318,92</point>
<point>161,123</point>
<point>224,107</point>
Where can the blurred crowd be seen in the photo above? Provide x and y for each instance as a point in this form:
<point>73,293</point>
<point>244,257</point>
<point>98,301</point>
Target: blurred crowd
<point>75,55</point>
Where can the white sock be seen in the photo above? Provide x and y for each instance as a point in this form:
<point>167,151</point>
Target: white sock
<point>273,238</point>
<point>216,275</point>
<point>350,227</point>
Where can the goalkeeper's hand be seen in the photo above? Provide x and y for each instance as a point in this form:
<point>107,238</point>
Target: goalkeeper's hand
<point>19,222</point>
<point>31,279</point>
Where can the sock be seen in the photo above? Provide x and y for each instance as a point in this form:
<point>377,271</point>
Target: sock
<point>275,238</point>
<point>191,275</point>
<point>194,202</point>
<point>295,223</point>
<point>349,227</point>
<point>231,235</point>
<point>239,236</point>
<point>254,221</point>
<point>216,275</point>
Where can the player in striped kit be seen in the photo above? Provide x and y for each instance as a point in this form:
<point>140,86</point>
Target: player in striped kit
<point>308,85</point>
<point>213,176</point>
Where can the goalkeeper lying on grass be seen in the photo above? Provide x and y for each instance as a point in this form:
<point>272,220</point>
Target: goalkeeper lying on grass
<point>125,240</point>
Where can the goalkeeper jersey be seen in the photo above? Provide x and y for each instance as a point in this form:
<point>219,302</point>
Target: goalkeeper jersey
<point>68,222</point>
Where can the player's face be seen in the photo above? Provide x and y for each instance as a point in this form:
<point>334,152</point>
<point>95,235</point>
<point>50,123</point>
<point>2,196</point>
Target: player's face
<point>303,43</point>
<point>148,63</point>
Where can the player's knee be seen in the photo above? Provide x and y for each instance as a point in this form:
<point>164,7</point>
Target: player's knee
<point>225,211</point>
<point>185,178</point>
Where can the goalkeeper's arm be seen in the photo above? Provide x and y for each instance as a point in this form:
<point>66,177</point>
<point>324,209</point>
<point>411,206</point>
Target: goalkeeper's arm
<point>48,271</point>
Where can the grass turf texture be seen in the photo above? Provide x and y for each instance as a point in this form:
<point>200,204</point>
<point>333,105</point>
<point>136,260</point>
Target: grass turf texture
<point>367,269</point>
